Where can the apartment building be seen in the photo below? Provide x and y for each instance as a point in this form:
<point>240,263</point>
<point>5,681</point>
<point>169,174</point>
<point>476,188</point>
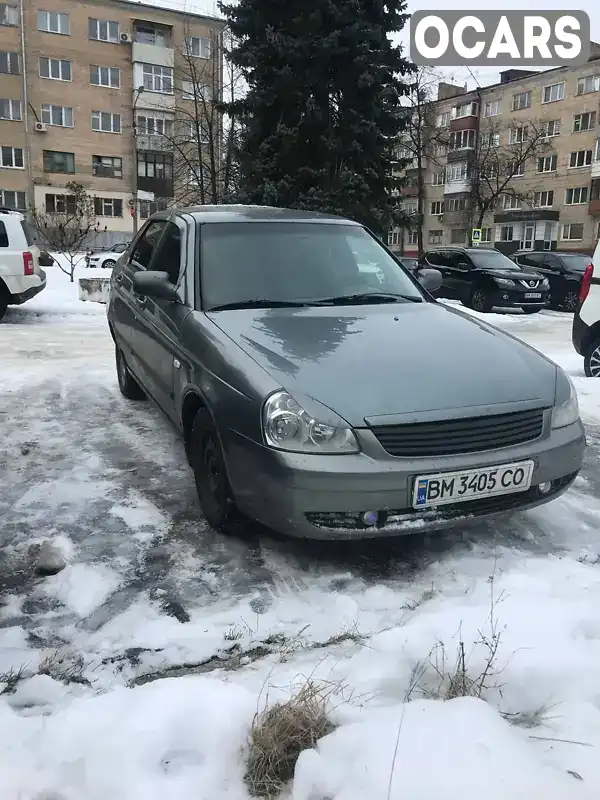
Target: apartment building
<point>553,198</point>
<point>88,92</point>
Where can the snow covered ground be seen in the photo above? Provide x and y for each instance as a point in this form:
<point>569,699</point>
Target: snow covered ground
<point>136,671</point>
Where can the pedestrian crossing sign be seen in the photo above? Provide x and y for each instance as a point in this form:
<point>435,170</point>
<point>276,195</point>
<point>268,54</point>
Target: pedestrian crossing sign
<point>476,235</point>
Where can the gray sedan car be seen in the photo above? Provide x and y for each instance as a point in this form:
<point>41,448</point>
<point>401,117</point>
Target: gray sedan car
<point>326,400</point>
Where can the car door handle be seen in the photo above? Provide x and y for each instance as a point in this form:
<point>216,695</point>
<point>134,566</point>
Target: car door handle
<point>140,300</point>
<point>119,279</point>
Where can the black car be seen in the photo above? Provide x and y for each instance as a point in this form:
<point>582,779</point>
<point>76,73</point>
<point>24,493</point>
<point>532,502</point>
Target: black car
<point>483,278</point>
<point>564,271</point>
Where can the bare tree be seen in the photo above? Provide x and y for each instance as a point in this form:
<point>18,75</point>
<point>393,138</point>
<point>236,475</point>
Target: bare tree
<point>502,154</point>
<point>69,225</point>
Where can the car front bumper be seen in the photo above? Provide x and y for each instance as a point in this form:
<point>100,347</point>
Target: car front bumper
<point>509,298</point>
<point>321,497</point>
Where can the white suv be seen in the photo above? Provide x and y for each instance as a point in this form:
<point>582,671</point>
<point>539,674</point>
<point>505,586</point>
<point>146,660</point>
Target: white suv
<point>21,276</point>
<point>586,322</point>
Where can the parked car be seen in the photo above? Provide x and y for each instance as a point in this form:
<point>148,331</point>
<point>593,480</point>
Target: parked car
<point>321,402</point>
<point>564,272</point>
<point>106,259</point>
<point>586,320</point>
<point>46,259</point>
<point>21,276</point>
<point>484,279</point>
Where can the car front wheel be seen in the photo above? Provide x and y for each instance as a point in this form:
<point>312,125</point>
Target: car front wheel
<point>129,387</point>
<point>570,300</point>
<point>210,475</point>
<point>591,362</point>
<point>480,301</point>
<point>109,263</point>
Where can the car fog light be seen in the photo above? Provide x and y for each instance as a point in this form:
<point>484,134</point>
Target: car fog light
<point>369,518</point>
<point>505,297</point>
<point>545,488</point>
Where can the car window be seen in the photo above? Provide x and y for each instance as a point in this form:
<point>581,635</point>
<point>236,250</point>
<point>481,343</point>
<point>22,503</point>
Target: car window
<point>28,233</point>
<point>167,257</point>
<point>435,259</point>
<point>120,248</point>
<point>531,259</point>
<point>3,235</point>
<point>458,261</point>
<point>577,263</point>
<point>284,262</point>
<point>492,259</point>
<point>146,244</point>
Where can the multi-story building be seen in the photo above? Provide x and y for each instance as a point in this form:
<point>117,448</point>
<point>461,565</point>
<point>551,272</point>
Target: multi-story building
<point>552,200</point>
<point>89,91</point>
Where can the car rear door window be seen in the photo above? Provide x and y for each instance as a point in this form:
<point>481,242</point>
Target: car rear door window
<point>3,235</point>
<point>434,258</point>
<point>146,245</point>
<point>167,257</point>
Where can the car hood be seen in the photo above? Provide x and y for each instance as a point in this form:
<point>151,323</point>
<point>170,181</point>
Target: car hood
<point>515,275</point>
<point>383,361</point>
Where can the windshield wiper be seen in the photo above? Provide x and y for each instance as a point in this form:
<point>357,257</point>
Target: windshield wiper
<point>259,304</point>
<point>367,297</point>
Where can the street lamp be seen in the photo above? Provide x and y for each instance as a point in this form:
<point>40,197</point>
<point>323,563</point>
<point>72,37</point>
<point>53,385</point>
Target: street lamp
<point>136,97</point>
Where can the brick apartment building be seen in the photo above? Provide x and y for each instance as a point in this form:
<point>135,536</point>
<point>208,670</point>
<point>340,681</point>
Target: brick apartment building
<point>560,182</point>
<point>71,106</point>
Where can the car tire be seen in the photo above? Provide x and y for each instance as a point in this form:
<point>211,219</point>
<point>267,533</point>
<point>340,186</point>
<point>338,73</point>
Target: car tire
<point>210,474</point>
<point>480,300</point>
<point>3,300</point>
<point>591,360</point>
<point>128,386</point>
<point>531,310</point>
<point>108,264</point>
<point>570,300</point>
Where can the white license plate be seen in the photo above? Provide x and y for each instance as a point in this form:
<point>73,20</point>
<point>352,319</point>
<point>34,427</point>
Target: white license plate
<point>533,295</point>
<point>457,487</point>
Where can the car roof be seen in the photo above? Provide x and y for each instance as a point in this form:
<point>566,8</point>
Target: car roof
<point>467,250</point>
<point>552,252</point>
<point>251,213</point>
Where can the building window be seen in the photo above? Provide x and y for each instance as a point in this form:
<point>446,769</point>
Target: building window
<point>458,236</point>
<point>543,199</point>
<point>456,204</point>
<point>105,76</point>
<point>197,46</point>
<point>55,68</point>
<point>486,234</point>
<point>518,135</point>
<point>149,207</point>
<point>456,172</point>
<point>393,238</point>
<point>492,108</point>
<point>105,122</point>
<point>438,178</point>
<point>103,30</point>
<point>521,101</point>
<point>443,120</point>
<point>157,78</point>
<point>573,231</point>
<point>11,157</point>
<point>460,140</point>
<point>413,237</point>
<point>16,201</point>
<point>61,116</point>
<point>10,109</point>
<point>551,128</point>
<point>597,153</point>
<point>554,92</point>
<point>55,161</point>
<point>577,196</point>
<point>490,140</point>
<point>547,164</point>
<point>584,122</point>
<point>60,204</point>
<point>53,22</point>
<point>465,110</point>
<point>108,207</point>
<point>511,202</point>
<point>147,33</point>
<point>580,158</point>
<point>516,169</point>
<point>154,126</point>
<point>107,166</point>
<point>153,165</point>
<point>591,83</point>
<point>10,63</point>
<point>435,237</point>
<point>437,208</point>
<point>506,233</point>
<point>9,15</point>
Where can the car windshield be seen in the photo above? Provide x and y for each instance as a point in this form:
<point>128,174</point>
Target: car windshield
<point>578,263</point>
<point>120,248</point>
<point>282,263</point>
<point>492,259</point>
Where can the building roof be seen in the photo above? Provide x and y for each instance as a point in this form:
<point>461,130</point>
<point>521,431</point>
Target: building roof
<point>180,12</point>
<point>250,213</point>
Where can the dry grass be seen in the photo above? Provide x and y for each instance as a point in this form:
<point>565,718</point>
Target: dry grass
<point>64,669</point>
<point>280,734</point>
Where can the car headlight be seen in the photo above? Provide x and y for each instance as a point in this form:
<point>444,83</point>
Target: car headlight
<point>504,281</point>
<point>566,406</point>
<point>287,426</point>
<point>545,283</point>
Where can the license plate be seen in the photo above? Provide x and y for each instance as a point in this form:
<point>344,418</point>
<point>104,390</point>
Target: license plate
<point>457,487</point>
<point>533,295</point>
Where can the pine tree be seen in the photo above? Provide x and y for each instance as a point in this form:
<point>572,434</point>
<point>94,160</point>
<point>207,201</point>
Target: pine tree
<point>321,115</point>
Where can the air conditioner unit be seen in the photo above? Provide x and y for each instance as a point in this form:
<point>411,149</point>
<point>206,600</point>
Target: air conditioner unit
<point>41,127</point>
<point>126,38</point>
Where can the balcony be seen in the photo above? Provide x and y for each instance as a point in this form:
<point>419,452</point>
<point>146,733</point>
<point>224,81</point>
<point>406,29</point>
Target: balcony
<point>142,53</point>
<point>527,215</point>
<point>596,167</point>
<point>160,187</point>
<point>455,187</point>
<point>153,144</point>
<point>594,208</point>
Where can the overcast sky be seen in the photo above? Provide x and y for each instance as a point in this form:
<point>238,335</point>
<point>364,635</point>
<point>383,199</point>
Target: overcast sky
<point>458,75</point>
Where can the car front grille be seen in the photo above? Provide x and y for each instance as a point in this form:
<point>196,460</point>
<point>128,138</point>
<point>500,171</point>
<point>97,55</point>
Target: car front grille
<point>457,436</point>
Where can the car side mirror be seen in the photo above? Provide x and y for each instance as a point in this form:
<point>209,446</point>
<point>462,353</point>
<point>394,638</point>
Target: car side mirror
<point>154,284</point>
<point>430,279</point>
<point>463,265</point>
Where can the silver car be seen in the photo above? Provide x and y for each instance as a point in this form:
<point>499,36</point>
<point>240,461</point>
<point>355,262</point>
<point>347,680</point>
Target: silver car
<point>326,400</point>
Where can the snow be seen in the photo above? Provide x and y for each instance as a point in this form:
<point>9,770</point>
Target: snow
<point>178,636</point>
